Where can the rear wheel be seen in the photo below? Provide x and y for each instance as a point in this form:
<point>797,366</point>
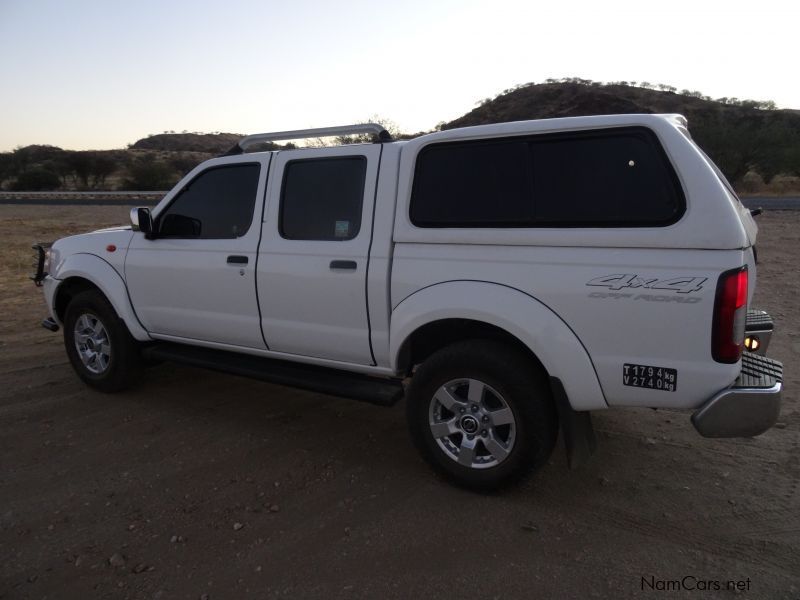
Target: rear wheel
<point>98,344</point>
<point>481,413</point>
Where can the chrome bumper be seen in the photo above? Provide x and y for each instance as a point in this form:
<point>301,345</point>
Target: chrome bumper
<point>747,408</point>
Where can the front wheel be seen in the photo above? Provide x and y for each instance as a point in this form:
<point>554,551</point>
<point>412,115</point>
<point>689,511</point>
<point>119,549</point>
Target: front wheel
<point>481,413</point>
<point>101,350</point>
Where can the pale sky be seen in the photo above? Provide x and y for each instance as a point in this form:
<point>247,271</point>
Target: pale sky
<point>101,74</point>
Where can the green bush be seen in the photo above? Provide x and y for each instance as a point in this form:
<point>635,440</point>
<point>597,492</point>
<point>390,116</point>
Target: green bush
<point>36,180</point>
<point>145,173</point>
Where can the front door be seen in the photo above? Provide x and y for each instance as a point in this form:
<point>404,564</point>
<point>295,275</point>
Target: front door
<point>196,280</point>
<point>312,265</point>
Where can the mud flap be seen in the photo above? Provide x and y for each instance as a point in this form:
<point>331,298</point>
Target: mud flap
<point>580,441</point>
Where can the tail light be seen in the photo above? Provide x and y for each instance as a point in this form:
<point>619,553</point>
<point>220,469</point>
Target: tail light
<point>730,313</point>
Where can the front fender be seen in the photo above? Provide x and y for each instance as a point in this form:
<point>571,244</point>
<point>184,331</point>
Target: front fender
<point>107,279</point>
<point>521,315</point>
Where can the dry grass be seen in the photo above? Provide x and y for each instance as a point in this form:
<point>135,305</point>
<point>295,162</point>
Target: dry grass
<point>781,185</point>
<point>22,226</point>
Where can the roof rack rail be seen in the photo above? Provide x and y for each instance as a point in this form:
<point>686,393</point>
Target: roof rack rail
<point>374,128</point>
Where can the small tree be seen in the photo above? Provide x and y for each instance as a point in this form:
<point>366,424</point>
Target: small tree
<point>79,166</point>
<point>36,179</point>
<point>7,170</point>
<point>100,167</point>
<point>146,173</point>
<point>182,163</point>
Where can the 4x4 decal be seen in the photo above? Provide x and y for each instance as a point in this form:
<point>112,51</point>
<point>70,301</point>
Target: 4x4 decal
<point>682,285</point>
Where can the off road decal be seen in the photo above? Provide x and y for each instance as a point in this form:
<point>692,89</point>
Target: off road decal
<point>647,297</point>
<point>682,285</point>
<point>654,378</point>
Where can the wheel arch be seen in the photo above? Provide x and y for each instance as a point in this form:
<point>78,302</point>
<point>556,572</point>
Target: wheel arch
<point>434,335</point>
<point>81,272</point>
<point>444,313</point>
<point>67,290</point>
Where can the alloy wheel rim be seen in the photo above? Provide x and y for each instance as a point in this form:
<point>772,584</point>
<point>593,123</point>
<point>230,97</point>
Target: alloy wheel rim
<point>472,423</point>
<point>92,343</point>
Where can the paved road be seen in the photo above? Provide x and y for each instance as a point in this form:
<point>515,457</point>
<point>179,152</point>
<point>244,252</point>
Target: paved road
<point>82,198</point>
<point>773,203</point>
<point>137,199</point>
<point>80,202</point>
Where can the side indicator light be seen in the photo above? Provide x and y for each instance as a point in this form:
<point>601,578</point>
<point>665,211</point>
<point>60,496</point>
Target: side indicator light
<point>111,248</point>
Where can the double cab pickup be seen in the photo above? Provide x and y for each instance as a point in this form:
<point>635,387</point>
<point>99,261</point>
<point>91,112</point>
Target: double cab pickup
<point>504,280</point>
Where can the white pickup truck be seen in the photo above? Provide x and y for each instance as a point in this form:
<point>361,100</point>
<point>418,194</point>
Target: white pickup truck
<point>505,279</point>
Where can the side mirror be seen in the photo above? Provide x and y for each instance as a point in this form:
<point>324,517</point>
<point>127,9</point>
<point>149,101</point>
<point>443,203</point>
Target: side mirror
<point>142,221</point>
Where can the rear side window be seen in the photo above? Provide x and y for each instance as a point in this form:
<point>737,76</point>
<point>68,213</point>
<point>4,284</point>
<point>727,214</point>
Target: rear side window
<point>321,198</point>
<point>472,185</point>
<point>217,204</point>
<point>608,178</point>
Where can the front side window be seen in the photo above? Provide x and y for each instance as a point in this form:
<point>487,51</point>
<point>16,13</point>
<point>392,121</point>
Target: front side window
<point>603,178</point>
<point>322,198</point>
<point>217,204</point>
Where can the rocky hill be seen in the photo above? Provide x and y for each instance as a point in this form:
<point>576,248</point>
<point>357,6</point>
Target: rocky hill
<point>212,143</point>
<point>756,145</point>
<point>741,136</point>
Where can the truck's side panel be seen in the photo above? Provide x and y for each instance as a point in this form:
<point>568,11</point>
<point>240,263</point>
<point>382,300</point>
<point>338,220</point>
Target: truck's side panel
<point>616,285</point>
<point>626,306</point>
<point>513,311</point>
<point>106,278</point>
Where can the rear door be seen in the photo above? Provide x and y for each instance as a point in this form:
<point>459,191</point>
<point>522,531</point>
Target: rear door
<point>313,258</point>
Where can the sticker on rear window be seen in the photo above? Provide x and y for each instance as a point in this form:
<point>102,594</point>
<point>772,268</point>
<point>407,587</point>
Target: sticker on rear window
<point>342,229</point>
<point>653,378</point>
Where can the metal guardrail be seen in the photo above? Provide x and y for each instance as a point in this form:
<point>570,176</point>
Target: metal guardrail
<point>130,198</point>
<point>6,194</point>
<point>74,198</point>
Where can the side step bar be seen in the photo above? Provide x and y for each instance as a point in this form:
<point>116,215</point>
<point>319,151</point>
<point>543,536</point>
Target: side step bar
<point>375,390</point>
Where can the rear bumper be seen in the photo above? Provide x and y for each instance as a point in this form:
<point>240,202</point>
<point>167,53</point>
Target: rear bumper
<point>747,408</point>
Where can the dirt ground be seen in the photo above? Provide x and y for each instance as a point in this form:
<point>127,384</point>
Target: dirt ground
<point>202,485</point>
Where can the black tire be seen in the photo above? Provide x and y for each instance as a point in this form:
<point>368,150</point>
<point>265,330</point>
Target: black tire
<point>522,386</point>
<point>122,368</point>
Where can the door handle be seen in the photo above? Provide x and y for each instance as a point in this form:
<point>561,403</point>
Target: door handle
<point>237,260</point>
<point>344,264</point>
